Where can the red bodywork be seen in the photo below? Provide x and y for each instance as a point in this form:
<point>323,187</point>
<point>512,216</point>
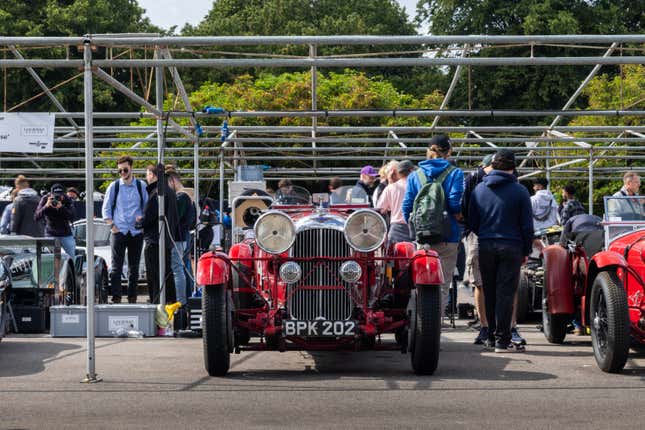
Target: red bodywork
<point>571,274</point>
<point>389,271</point>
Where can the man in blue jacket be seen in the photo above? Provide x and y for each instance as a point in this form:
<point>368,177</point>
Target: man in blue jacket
<point>453,186</point>
<point>500,214</point>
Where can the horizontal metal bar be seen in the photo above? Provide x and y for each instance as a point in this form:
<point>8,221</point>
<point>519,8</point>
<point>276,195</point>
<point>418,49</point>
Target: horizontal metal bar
<point>375,129</point>
<point>365,40</point>
<point>328,62</point>
<point>373,113</point>
<point>425,139</point>
<point>359,62</point>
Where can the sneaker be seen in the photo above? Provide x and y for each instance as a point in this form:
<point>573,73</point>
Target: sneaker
<point>516,338</point>
<point>510,348</point>
<point>482,336</point>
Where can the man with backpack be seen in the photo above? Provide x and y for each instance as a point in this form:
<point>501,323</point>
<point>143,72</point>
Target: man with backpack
<point>123,206</point>
<point>432,206</point>
<point>500,215</point>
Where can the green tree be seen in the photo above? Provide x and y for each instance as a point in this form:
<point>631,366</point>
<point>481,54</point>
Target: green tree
<point>311,17</point>
<point>65,18</point>
<point>527,87</point>
<point>292,91</point>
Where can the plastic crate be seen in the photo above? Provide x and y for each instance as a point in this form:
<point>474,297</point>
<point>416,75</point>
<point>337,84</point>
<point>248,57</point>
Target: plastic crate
<point>110,318</point>
<point>68,321</point>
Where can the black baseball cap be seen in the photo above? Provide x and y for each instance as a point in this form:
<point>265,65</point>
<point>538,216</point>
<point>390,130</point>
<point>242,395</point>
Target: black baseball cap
<point>57,190</point>
<point>441,141</point>
<point>541,181</point>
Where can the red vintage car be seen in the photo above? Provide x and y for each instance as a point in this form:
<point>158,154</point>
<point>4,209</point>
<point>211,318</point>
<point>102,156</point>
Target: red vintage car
<point>316,274</point>
<point>604,290</point>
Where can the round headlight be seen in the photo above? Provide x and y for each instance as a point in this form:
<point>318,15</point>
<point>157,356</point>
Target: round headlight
<point>275,232</point>
<point>350,271</point>
<point>365,230</point>
<point>290,272</point>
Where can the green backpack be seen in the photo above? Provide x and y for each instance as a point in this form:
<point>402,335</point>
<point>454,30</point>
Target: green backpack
<point>429,215</point>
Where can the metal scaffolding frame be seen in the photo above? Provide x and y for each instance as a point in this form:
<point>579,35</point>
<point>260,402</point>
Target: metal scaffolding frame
<point>314,152</point>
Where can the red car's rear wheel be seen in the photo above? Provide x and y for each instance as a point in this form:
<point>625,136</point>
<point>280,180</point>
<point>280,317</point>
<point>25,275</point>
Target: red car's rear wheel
<point>426,330</point>
<point>609,317</point>
<point>216,330</point>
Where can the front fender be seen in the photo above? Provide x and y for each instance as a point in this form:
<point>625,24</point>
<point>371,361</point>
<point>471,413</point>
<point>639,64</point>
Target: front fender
<point>241,250</point>
<point>558,280</point>
<point>608,258</point>
<point>212,269</point>
<point>426,268</point>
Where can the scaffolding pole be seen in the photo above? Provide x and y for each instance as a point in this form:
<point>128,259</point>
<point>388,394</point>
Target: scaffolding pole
<point>88,94</point>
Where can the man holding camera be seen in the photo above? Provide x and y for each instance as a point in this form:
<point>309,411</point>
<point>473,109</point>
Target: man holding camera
<point>55,208</point>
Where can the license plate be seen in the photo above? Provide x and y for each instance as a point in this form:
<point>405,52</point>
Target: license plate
<point>319,328</point>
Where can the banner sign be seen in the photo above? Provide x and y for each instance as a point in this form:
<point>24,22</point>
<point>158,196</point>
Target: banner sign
<point>27,132</point>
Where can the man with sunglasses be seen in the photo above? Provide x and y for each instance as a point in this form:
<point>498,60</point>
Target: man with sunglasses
<point>122,208</point>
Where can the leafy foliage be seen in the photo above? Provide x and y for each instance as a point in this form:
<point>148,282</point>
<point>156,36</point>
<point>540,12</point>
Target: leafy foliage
<point>527,87</point>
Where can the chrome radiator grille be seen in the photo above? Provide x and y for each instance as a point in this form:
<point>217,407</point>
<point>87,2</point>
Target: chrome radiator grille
<point>328,304</point>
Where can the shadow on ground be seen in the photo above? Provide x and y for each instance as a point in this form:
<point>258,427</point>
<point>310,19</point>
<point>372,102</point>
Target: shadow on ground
<point>19,358</point>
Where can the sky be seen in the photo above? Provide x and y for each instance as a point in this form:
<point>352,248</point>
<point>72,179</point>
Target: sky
<point>166,13</point>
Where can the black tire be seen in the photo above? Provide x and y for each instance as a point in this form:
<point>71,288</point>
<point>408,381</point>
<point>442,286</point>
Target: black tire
<point>103,287</point>
<point>554,325</point>
<point>427,330</point>
<point>523,298</point>
<point>67,278</point>
<point>215,330</point>
<point>609,320</point>
<point>4,324</point>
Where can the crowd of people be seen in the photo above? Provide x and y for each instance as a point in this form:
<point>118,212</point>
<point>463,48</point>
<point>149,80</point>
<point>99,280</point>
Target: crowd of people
<point>130,208</point>
<point>491,212</point>
<point>488,210</point>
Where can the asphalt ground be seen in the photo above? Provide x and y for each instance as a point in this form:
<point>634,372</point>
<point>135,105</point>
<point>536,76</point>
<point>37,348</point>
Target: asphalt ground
<point>161,383</point>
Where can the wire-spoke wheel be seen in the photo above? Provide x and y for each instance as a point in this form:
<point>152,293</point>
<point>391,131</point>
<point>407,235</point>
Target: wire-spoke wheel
<point>609,319</point>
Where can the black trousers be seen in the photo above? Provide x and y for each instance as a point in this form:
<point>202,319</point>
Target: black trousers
<point>500,270</point>
<point>120,243</point>
<point>151,255</point>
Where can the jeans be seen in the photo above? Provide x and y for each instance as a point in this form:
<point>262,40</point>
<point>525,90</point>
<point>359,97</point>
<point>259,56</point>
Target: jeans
<point>500,270</point>
<point>177,266</point>
<point>119,243</point>
<point>151,255</point>
<point>68,243</point>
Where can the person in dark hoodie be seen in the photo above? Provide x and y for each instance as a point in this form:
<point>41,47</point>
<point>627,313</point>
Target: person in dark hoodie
<point>55,208</point>
<point>24,207</point>
<point>500,214</point>
<point>437,155</point>
<point>472,247</point>
<point>150,225</point>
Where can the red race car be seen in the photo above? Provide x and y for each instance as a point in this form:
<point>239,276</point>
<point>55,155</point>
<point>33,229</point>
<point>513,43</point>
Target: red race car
<point>316,274</point>
<point>604,290</point>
